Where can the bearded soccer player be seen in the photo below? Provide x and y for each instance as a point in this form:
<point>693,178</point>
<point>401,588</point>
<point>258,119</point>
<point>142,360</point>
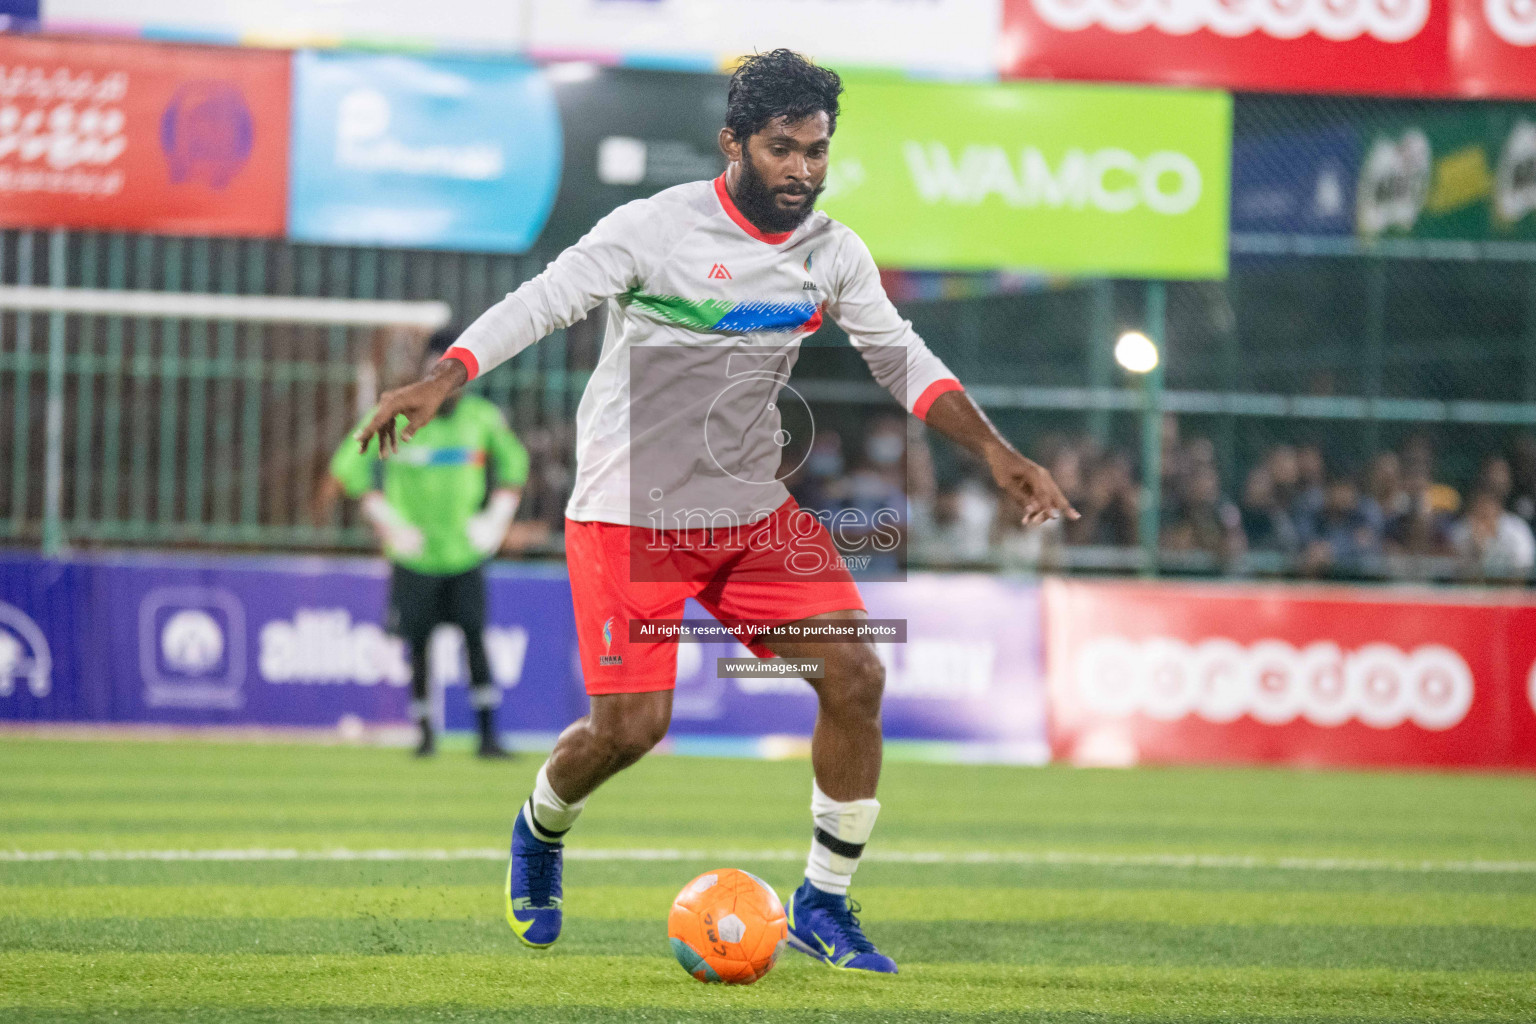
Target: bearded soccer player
<point>733,267</point>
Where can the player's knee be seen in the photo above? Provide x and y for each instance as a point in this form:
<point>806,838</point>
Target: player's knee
<point>856,688</point>
<point>627,740</point>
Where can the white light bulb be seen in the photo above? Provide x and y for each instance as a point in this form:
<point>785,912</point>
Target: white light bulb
<point>1135,352</point>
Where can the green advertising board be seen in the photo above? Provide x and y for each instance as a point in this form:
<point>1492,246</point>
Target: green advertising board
<point>1063,179</point>
<point>1466,172</point>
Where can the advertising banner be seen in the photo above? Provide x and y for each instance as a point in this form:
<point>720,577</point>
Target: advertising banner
<point>1397,47</point>
<point>426,152</point>
<point>1473,48</point>
<point>299,642</point>
<point>1493,47</point>
<point>1189,673</point>
<point>1464,172</point>
<point>1063,179</point>
<point>1301,184</point>
<point>628,134</point>
<point>451,24</point>
<point>957,36</point>
<point>141,137</point>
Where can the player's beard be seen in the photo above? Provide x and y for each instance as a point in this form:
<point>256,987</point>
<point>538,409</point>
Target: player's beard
<point>755,199</point>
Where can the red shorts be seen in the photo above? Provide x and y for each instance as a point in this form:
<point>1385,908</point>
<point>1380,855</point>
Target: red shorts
<point>620,573</point>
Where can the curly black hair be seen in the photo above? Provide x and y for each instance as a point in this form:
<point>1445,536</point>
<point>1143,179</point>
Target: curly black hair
<point>780,83</point>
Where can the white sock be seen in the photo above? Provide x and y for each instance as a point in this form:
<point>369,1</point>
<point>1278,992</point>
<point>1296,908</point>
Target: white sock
<point>845,826</point>
<point>421,710</point>
<point>548,816</point>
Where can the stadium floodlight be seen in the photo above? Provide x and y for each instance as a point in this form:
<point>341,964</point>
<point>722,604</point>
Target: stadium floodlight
<point>1136,352</point>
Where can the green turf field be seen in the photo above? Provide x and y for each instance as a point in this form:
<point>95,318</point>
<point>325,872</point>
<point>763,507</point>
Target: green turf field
<point>360,885</point>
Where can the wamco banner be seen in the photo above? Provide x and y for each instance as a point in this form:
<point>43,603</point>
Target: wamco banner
<point>1066,179</point>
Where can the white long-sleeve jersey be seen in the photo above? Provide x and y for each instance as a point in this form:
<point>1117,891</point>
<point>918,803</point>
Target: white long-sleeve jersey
<point>705,318</point>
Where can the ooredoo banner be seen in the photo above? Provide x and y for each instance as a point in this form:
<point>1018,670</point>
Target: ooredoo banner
<point>1357,46</point>
<point>1493,47</point>
<point>1386,47</point>
<point>1211,673</point>
<point>178,140</point>
<point>1069,179</point>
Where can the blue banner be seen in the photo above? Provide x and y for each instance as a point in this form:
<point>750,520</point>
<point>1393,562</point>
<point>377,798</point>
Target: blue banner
<point>1302,184</point>
<point>424,152</point>
<point>287,642</point>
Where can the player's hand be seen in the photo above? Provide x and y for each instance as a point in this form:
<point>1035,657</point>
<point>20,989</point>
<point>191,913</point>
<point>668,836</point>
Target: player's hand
<point>399,535</point>
<point>487,528</point>
<point>1030,486</point>
<point>417,402</point>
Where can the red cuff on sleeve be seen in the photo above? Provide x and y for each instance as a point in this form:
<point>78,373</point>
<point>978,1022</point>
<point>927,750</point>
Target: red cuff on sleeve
<point>466,357</point>
<point>931,392</point>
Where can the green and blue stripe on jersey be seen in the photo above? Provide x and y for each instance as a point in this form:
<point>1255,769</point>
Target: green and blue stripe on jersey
<point>729,317</point>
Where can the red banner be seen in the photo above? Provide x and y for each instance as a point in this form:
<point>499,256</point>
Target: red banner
<point>1210,673</point>
<point>1493,47</point>
<point>171,139</point>
<point>1388,47</point>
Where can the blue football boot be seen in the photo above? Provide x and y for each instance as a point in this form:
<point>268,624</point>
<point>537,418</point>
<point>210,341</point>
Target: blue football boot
<point>823,925</point>
<point>533,886</point>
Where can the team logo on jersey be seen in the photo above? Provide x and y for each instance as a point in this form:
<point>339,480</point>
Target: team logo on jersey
<point>808,261</point>
<point>608,657</point>
<point>719,273</point>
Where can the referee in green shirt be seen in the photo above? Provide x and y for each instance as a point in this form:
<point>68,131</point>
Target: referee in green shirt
<point>429,504</point>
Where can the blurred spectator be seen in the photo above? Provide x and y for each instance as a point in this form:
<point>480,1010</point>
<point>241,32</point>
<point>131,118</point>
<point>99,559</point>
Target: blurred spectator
<point>1496,478</point>
<point>1267,521</point>
<point>1201,519</point>
<point>963,517</point>
<point>1343,534</point>
<point>1421,527</point>
<point>1419,468</point>
<point>1491,543</point>
<point>1311,482</point>
<point>1385,497</point>
<point>1110,504</point>
<point>1522,463</point>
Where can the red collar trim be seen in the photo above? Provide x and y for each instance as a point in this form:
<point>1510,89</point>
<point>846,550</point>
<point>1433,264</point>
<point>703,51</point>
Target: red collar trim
<point>736,215</point>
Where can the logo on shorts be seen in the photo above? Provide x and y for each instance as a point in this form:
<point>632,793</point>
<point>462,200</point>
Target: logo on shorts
<point>608,657</point>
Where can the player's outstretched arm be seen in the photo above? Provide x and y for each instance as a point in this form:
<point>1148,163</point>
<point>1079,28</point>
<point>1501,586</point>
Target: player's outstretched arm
<point>417,402</point>
<point>958,418</point>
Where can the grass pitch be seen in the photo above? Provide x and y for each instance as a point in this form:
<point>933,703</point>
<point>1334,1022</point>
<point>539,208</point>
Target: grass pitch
<point>184,882</point>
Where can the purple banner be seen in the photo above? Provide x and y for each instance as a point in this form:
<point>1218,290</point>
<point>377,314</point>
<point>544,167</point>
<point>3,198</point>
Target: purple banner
<point>299,642</point>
